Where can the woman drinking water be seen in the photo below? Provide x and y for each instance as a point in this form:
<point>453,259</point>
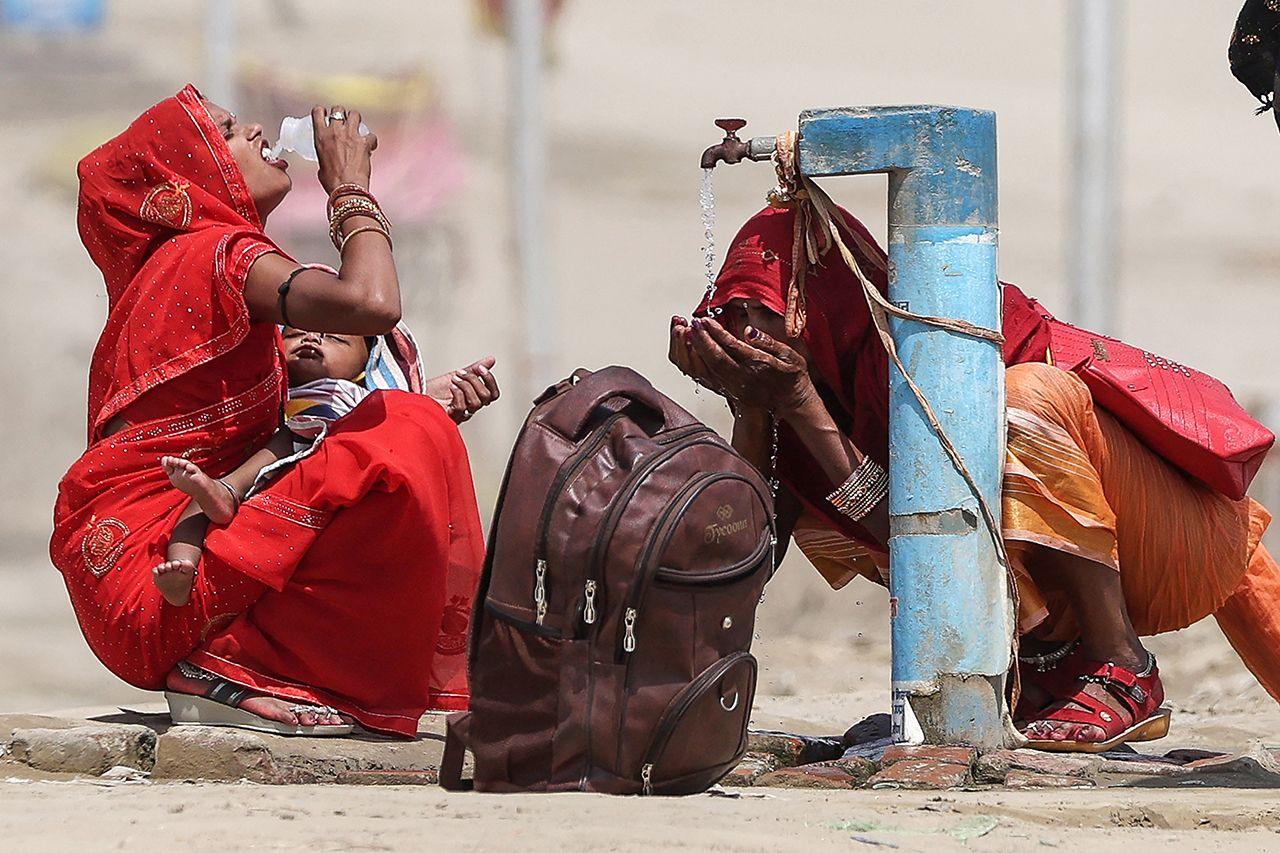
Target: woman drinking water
<point>340,591</point>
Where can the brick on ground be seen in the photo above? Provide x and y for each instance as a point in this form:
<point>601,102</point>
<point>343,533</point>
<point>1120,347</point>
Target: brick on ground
<point>1020,779</point>
<point>1257,766</point>
<point>841,773</point>
<point>922,774</point>
<point>88,748</point>
<point>752,766</point>
<point>10,722</point>
<point>993,767</point>
<point>964,755</point>
<point>792,750</point>
<point>1137,767</point>
<point>197,752</point>
<point>389,777</point>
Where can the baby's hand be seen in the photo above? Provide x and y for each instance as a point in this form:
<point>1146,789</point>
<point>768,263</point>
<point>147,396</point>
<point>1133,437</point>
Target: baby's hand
<point>465,392</point>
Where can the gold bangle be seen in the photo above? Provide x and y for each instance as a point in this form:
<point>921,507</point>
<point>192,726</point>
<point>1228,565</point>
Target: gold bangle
<point>354,203</point>
<point>342,247</point>
<point>348,189</point>
<point>341,216</point>
<point>355,206</point>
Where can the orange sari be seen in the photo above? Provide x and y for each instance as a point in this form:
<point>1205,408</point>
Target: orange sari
<point>1079,482</point>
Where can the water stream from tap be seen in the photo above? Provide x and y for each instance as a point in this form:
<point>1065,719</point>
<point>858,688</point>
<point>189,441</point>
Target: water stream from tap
<point>707,200</point>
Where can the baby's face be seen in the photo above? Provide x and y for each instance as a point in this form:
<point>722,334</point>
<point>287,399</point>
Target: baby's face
<point>313,355</point>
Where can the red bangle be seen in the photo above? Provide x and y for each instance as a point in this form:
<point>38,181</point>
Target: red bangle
<point>343,190</point>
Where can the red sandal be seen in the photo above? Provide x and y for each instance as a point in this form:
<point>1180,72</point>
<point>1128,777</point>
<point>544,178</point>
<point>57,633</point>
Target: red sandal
<point>1140,717</point>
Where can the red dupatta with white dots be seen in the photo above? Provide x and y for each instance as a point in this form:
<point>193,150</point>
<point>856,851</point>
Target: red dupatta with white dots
<point>381,523</point>
<point>165,215</point>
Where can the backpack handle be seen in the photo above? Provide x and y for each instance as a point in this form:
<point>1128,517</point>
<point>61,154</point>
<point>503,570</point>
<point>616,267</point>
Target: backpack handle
<point>570,415</point>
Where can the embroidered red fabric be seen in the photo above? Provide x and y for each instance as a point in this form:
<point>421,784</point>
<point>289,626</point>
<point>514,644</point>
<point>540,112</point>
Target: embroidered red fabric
<point>1187,417</point>
<point>842,341</point>
<point>1191,419</point>
<point>349,580</point>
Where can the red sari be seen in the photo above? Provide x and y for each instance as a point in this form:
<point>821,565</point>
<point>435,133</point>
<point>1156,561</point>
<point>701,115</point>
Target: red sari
<point>349,580</point>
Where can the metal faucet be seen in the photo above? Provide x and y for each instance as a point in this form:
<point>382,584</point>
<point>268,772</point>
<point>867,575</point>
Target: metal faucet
<point>731,149</point>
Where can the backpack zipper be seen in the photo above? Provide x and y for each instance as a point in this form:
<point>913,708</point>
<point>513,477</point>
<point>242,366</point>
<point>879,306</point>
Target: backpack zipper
<point>540,590</point>
<point>567,472</point>
<point>634,481</point>
<point>672,715</point>
<point>589,608</point>
<point>680,504</point>
<point>629,637</point>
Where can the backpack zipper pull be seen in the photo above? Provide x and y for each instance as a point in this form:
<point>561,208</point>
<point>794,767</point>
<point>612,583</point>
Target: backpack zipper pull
<point>646,779</point>
<point>589,609</point>
<point>629,638</point>
<point>540,591</point>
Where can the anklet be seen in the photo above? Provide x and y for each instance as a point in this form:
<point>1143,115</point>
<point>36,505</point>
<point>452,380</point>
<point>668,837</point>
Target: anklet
<point>190,670</point>
<point>1050,659</point>
<point>235,498</point>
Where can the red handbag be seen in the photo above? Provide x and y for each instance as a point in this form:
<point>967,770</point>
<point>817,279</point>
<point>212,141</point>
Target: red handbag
<point>1188,417</point>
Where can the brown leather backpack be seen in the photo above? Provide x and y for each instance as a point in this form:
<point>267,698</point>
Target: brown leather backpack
<point>610,643</point>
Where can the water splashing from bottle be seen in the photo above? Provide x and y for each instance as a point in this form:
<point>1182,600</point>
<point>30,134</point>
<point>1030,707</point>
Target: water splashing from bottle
<point>707,200</point>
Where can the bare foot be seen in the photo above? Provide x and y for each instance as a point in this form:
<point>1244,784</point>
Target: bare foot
<point>212,496</point>
<point>1060,730</point>
<point>174,579</point>
<point>267,707</point>
<point>1032,700</point>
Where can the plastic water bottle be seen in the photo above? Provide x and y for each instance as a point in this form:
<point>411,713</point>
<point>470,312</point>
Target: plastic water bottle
<point>298,135</point>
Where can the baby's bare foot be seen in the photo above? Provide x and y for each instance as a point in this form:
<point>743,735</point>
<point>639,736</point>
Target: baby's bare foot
<point>212,496</point>
<point>174,579</point>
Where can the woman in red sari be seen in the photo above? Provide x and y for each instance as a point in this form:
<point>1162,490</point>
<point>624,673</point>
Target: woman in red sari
<point>1108,541</point>
<point>342,590</point>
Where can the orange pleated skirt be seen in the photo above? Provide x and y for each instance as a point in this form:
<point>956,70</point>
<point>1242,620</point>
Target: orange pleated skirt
<point>1078,481</point>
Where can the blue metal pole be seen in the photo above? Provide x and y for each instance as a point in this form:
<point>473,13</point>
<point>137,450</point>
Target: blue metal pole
<point>951,614</point>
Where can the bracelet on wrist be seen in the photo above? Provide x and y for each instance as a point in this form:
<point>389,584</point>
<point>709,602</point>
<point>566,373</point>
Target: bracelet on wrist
<point>363,228</point>
<point>862,492</point>
<point>353,206</point>
<point>344,190</point>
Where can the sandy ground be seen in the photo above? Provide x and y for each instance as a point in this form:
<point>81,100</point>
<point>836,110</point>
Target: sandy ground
<point>631,96</point>
<point>825,665</point>
<point>341,818</point>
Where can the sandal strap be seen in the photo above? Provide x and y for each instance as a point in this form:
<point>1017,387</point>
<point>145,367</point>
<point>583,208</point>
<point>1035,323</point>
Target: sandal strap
<point>1129,690</point>
<point>228,693</point>
<point>1121,682</point>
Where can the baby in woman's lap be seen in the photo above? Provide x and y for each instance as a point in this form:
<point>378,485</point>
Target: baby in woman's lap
<point>326,381</point>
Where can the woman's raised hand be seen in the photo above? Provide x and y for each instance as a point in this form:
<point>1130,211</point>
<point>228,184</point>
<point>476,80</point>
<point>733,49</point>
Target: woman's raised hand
<point>760,371</point>
<point>343,153</point>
